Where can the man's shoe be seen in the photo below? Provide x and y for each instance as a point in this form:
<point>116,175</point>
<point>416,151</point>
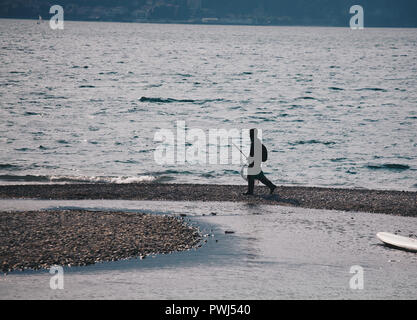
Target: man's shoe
<point>247,194</point>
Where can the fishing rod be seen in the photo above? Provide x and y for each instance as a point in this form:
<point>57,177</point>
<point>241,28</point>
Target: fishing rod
<point>240,150</point>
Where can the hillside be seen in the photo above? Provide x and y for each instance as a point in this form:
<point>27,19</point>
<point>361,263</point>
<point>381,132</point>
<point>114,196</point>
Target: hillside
<point>378,13</point>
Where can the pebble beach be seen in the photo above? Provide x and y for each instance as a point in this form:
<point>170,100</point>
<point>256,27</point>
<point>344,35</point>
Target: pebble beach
<point>40,239</point>
<point>400,203</point>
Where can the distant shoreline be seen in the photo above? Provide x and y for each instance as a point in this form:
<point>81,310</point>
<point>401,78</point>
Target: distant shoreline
<point>170,22</point>
<point>400,203</point>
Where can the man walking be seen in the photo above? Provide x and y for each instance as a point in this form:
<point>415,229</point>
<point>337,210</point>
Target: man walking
<point>258,154</point>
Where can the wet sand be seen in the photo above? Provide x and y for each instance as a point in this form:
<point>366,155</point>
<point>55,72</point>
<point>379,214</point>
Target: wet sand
<point>299,253</point>
<point>401,203</point>
<point>40,239</point>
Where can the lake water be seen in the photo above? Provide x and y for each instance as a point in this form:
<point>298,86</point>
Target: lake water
<point>337,107</point>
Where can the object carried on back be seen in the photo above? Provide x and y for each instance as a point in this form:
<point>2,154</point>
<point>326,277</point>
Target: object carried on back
<point>264,154</point>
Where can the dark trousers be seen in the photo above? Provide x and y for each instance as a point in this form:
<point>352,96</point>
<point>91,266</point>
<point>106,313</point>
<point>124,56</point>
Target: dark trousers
<point>261,177</point>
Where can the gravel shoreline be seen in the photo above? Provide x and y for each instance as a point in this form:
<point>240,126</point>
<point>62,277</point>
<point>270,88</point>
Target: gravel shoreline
<point>40,239</point>
<point>401,203</point>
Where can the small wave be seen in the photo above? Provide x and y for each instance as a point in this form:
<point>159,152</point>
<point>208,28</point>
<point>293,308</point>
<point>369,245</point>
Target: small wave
<point>172,100</point>
<point>185,75</point>
<point>165,100</point>
<point>232,172</point>
<point>8,166</point>
<point>235,108</point>
<point>30,113</point>
<point>126,161</point>
<point>109,73</point>
<point>210,174</point>
<point>336,89</point>
<point>77,179</point>
<point>86,86</point>
<point>388,166</point>
<point>156,85</point>
<point>133,179</point>
<point>170,171</point>
<point>371,89</point>
<point>54,97</point>
<point>307,98</point>
<point>295,106</point>
<point>311,142</point>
